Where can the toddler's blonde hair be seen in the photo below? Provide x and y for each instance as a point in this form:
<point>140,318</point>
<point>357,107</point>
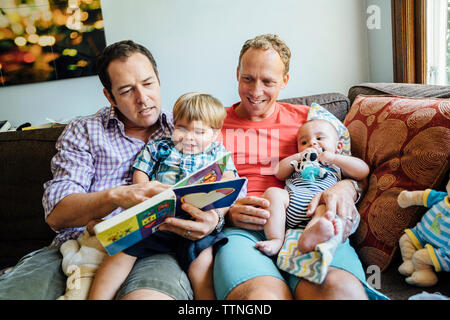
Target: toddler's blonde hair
<point>194,106</point>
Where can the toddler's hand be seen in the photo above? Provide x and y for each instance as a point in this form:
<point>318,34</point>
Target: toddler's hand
<point>326,158</point>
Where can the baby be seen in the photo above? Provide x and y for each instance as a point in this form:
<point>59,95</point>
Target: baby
<point>288,206</point>
<point>198,119</point>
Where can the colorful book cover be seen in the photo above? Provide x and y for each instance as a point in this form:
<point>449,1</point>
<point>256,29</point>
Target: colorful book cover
<point>136,223</point>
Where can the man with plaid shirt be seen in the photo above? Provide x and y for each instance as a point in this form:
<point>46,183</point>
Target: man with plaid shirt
<point>92,180</point>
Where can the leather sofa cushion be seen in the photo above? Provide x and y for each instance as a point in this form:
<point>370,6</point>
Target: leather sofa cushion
<point>24,168</point>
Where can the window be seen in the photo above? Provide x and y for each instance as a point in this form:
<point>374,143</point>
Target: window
<point>408,40</point>
<point>438,42</point>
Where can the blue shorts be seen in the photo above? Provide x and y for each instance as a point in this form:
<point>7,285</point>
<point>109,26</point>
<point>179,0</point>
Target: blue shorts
<point>239,261</point>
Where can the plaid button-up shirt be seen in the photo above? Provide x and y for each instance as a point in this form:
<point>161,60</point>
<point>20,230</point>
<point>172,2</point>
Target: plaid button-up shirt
<point>94,154</point>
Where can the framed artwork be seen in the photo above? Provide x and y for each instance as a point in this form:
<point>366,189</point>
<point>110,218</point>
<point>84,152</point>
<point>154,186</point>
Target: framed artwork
<point>43,40</point>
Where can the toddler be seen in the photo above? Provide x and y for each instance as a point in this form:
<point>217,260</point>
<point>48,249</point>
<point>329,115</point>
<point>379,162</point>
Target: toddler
<point>198,119</point>
<point>288,206</point>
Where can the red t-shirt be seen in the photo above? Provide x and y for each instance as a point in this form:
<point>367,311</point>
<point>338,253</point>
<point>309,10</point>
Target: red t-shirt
<point>258,146</point>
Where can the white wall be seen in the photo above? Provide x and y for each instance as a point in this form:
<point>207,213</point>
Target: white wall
<point>196,44</point>
<point>379,38</point>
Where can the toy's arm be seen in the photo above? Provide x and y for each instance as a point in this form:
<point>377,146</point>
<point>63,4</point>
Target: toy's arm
<point>410,198</point>
<point>284,169</point>
<point>68,249</point>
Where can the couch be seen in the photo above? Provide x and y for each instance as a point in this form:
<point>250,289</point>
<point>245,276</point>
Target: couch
<point>25,165</point>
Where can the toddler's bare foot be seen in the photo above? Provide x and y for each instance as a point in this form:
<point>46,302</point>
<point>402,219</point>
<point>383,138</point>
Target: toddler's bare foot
<point>322,230</point>
<point>269,247</point>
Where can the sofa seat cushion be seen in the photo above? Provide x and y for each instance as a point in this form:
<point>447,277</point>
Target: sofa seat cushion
<point>405,141</point>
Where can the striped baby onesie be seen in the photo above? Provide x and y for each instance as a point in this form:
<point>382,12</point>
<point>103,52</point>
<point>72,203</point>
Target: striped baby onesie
<point>301,191</point>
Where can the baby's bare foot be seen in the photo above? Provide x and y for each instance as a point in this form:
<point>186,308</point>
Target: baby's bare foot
<point>269,247</point>
<point>321,231</point>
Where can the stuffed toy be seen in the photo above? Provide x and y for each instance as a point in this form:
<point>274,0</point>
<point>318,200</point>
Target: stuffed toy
<point>309,166</point>
<point>426,246</point>
<point>81,259</point>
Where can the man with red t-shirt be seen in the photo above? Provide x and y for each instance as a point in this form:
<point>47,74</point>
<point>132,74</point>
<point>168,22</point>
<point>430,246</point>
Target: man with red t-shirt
<point>257,146</point>
<point>259,131</point>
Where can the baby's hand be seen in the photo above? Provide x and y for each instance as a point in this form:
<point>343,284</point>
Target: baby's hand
<point>326,158</point>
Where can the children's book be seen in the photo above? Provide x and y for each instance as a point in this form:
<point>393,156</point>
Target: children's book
<point>201,189</point>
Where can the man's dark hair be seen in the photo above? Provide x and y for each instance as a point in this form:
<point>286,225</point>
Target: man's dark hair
<point>120,50</point>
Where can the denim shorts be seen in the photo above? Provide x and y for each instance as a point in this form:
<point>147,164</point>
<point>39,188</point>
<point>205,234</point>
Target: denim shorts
<point>239,261</point>
<point>38,276</point>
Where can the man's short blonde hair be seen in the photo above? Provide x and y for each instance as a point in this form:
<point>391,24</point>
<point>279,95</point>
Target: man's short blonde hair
<point>194,106</point>
<point>267,41</point>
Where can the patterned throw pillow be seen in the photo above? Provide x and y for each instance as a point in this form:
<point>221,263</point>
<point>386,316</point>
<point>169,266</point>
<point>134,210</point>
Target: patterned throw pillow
<point>406,143</point>
<point>318,112</point>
